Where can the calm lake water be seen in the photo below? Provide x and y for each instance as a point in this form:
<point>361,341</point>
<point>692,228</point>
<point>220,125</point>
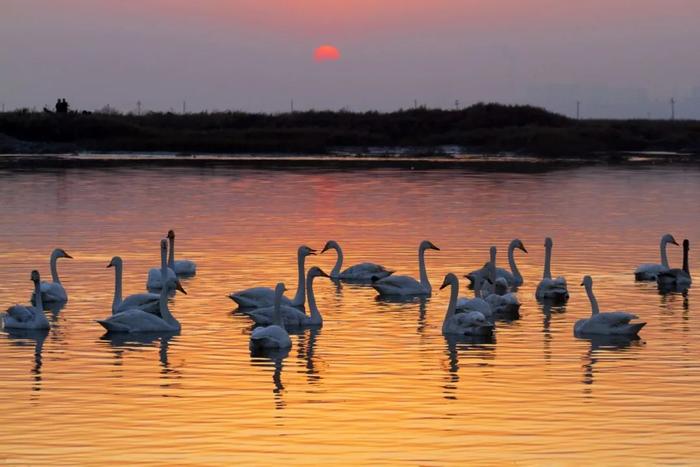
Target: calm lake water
<point>379,384</point>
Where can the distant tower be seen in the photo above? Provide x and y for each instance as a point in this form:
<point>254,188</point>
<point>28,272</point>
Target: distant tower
<point>673,109</point>
<point>184,107</point>
<point>578,110</point>
<point>138,108</point>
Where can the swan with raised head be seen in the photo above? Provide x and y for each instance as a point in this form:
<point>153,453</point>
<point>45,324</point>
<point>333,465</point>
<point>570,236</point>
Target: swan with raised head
<point>293,317</point>
<point>548,288</point>
<point>468,323</point>
<point>155,279</point>
<point>27,317</point>
<point>503,303</point>
<point>407,286</point>
<point>360,273</point>
<point>182,267</point>
<point>650,271</point>
<point>149,302</point>
<point>54,291</point>
<point>274,336</point>
<point>513,277</point>
<point>605,323</point>
<point>259,297</point>
<point>677,277</point>
<point>137,320</point>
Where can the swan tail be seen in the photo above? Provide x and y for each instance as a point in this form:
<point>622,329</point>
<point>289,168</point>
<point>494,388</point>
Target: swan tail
<point>636,327</point>
<point>112,327</point>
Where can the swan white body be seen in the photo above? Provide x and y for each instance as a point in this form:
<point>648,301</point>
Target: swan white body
<point>406,286</point>
<point>155,279</point>
<point>27,317</point>
<point>136,320</point>
<point>503,304</point>
<point>548,288</point>
<point>477,303</point>
<point>149,302</point>
<point>512,277</point>
<point>260,297</point>
<point>274,336</point>
<point>650,271</point>
<point>677,278</point>
<point>468,323</point>
<point>54,291</point>
<point>605,323</point>
<point>181,267</point>
<point>362,273</point>
<point>293,317</point>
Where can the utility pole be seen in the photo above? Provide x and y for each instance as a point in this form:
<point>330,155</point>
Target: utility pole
<point>578,110</point>
<point>673,109</point>
<point>184,107</point>
<point>457,104</point>
<point>138,108</point>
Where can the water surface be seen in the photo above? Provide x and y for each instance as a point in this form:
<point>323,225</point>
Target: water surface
<point>379,384</point>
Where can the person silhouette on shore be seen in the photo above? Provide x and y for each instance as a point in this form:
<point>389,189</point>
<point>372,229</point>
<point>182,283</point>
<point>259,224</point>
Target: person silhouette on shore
<point>62,106</point>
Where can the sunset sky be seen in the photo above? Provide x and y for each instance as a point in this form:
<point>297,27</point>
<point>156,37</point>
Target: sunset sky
<point>619,57</point>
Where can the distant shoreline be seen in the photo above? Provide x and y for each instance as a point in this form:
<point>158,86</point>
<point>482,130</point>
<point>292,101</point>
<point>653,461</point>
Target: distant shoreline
<point>501,130</point>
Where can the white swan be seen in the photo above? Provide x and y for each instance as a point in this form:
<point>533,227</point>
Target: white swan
<point>503,303</point>
<point>548,288</point>
<point>650,272</point>
<point>677,277</point>
<point>137,320</point>
<point>477,303</point>
<point>182,267</point>
<point>513,277</point>
<point>54,291</point>
<point>293,317</point>
<point>359,273</point>
<point>274,336</point>
<point>27,317</point>
<point>605,323</point>
<point>406,286</point>
<point>149,302</point>
<point>469,323</point>
<point>259,297</point>
<point>155,279</point>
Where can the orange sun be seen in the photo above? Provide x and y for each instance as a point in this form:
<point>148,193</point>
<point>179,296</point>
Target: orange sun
<point>326,53</point>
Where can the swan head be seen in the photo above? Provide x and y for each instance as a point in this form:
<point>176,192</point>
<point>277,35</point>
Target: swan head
<point>164,244</point>
<point>280,289</point>
<point>61,253</point>
<point>686,244</point>
<point>35,277</point>
<point>426,245</point>
<point>178,286</point>
<point>519,245</point>
<point>668,238</point>
<point>305,251</point>
<point>114,262</point>
<point>330,244</point>
<point>548,243</point>
<point>171,234</point>
<point>316,272</point>
<point>450,279</point>
<point>587,281</point>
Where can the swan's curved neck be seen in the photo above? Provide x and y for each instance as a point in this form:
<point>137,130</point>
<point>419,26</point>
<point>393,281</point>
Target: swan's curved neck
<point>338,263</point>
<point>300,296</point>
<point>54,268</point>
<point>511,261</point>
<point>163,304</point>
<point>117,286</point>
<point>171,254</point>
<point>424,281</point>
<point>686,267</point>
<point>664,257</point>
<point>39,303</point>
<point>547,262</point>
<point>591,297</point>
<point>478,283</point>
<point>454,292</point>
<point>492,266</point>
<point>315,315</point>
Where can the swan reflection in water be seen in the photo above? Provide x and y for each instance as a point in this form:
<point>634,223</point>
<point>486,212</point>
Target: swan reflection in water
<point>405,307</point>
<point>26,337</point>
<point>262,357</point>
<point>306,347</point>
<point>123,342</point>
<point>549,310</point>
<point>600,345</point>
<point>477,349</point>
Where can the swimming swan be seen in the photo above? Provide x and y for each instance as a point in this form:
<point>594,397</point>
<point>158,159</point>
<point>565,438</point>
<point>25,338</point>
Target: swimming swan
<point>677,277</point>
<point>182,267</point>
<point>503,303</point>
<point>359,273</point>
<point>513,277</point>
<point>155,282</point>
<point>54,291</point>
<point>650,272</point>
<point>293,317</point>
<point>274,336</point>
<point>469,323</point>
<point>477,303</point>
<point>27,317</point>
<point>259,297</point>
<point>406,286</point>
<point>149,302</point>
<point>605,323</point>
<point>137,320</point>
<point>548,288</point>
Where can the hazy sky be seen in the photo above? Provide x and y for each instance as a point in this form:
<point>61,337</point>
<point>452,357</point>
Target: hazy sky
<point>617,56</point>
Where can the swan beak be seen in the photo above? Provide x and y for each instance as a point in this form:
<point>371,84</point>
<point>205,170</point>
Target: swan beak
<point>66,255</point>
<point>110,264</point>
<point>674,243</point>
<point>312,251</point>
<point>523,248</point>
<point>178,286</point>
<point>582,284</point>
<point>325,249</point>
<point>444,284</point>
<point>322,274</point>
<point>433,247</point>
